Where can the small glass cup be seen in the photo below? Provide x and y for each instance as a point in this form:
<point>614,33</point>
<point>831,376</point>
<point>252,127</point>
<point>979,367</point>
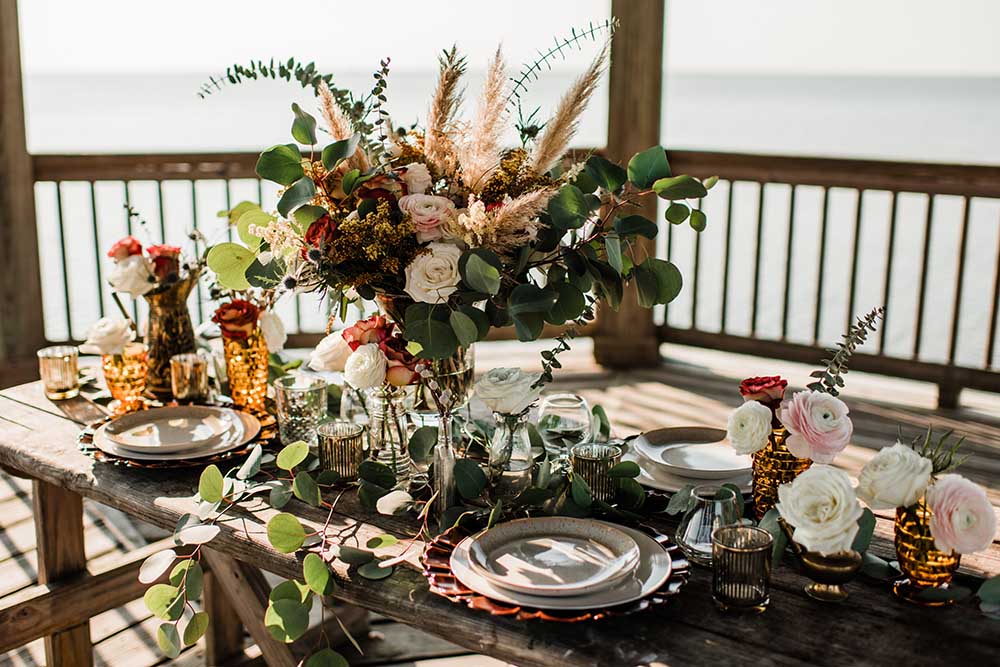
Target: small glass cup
<point>301,403</point>
<point>592,461</point>
<point>741,568</point>
<point>125,375</point>
<point>713,507</point>
<point>189,377</point>
<point>564,421</point>
<point>57,366</point>
<point>341,448</point>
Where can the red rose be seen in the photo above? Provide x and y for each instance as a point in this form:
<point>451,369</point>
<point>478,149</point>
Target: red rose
<point>320,233</point>
<point>400,363</point>
<point>769,390</point>
<point>166,260</point>
<point>237,319</point>
<point>125,247</point>
<point>373,330</point>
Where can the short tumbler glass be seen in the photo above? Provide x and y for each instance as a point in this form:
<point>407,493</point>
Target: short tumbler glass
<point>57,367</point>
<point>301,404</point>
<point>741,568</point>
<point>712,507</point>
<point>341,448</point>
<point>189,377</point>
<point>592,461</point>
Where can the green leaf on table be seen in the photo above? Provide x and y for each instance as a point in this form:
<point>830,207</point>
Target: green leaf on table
<point>369,494</point>
<point>354,556</point>
<point>677,213</point>
<point>951,594</point>
<point>866,528</point>
<point>679,187</point>
<point>698,220</point>
<point>229,262</point>
<point>602,422</point>
<point>326,657</point>
<point>480,271</point>
<point>377,473</point>
<point>422,443</point>
<point>770,523</point>
<point>305,489</point>
<point>189,573</point>
<point>340,150</point>
<point>605,173</point>
<point>738,493</point>
<point>372,570</point>
<point>381,541</point>
<point>299,193</point>
<point>568,209</point>
<point>635,224</point>
<point>317,574</point>
<point>164,601</point>
<point>286,620</point>
<point>533,496</point>
<point>495,514</point>
<point>168,640</point>
<point>469,479</point>
<point>153,567</point>
<point>303,127</point>
<point>625,469</point>
<point>877,568</point>
<point>196,628</point>
<point>290,590</point>
<point>281,164</point>
<point>251,466</point>
<point>647,167</point>
<point>681,501</point>
<point>199,534</point>
<point>285,533</point>
<point>280,494</point>
<point>630,493</point>
<point>210,484</point>
<point>990,590</point>
<point>580,491</point>
<point>292,455</point>
<point>613,248</point>
<point>569,303</point>
<point>465,329</point>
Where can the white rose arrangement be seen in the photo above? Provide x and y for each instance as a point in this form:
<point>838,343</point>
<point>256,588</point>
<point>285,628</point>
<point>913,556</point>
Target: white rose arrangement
<point>132,275</point>
<point>108,336</point>
<point>749,427</point>
<point>365,368</point>
<point>434,276</point>
<point>507,391</point>
<point>331,354</point>
<point>895,477</point>
<point>821,507</point>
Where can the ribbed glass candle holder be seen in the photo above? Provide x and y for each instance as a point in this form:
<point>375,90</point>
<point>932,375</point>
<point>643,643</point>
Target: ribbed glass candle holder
<point>592,461</point>
<point>57,366</point>
<point>741,568</point>
<point>341,448</point>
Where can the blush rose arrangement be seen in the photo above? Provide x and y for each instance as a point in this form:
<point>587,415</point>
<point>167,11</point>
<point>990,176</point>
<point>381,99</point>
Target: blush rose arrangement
<point>371,353</point>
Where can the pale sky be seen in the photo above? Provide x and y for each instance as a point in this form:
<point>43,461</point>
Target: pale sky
<point>902,37</point>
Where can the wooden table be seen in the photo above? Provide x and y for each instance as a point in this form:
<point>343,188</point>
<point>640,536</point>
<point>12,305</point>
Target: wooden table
<point>38,439</point>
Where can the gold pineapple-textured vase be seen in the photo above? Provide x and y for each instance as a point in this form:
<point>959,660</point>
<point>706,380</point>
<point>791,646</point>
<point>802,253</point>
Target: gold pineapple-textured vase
<point>169,332</point>
<point>923,564</point>
<point>246,369</point>
<point>773,466</point>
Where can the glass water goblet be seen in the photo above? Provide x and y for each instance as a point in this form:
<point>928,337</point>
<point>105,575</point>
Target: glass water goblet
<point>301,405</point>
<point>57,366</point>
<point>564,421</point>
<point>712,507</point>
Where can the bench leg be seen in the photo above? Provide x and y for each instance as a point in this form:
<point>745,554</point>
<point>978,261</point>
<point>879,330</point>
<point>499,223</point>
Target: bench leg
<point>59,538</point>
<point>224,639</point>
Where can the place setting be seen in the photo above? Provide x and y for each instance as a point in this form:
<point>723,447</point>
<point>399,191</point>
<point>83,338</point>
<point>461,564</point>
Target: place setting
<point>671,458</point>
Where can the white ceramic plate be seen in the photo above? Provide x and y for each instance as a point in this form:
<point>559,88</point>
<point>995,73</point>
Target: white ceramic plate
<point>171,429</point>
<point>655,476</point>
<point>713,460</point>
<point>652,570</point>
<point>554,556</point>
<point>246,430</point>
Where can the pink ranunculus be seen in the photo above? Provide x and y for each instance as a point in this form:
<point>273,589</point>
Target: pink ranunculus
<point>818,425</point>
<point>962,517</point>
<point>428,212</point>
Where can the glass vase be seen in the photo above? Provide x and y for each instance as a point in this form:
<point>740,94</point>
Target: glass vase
<point>246,370</point>
<point>168,332</point>
<point>444,470</point>
<point>125,375</point>
<point>922,563</point>
<point>713,507</point>
<point>388,442</point>
<point>511,461</point>
<point>773,466</point>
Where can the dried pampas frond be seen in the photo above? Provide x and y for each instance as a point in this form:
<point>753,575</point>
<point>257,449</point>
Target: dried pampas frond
<point>339,125</point>
<point>560,129</point>
<point>504,229</point>
<point>479,154</point>
<point>439,146</point>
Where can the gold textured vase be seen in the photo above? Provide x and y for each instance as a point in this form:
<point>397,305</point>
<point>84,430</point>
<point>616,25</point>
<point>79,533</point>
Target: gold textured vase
<point>922,563</point>
<point>246,368</point>
<point>169,332</point>
<point>773,466</point>
<point>125,375</point>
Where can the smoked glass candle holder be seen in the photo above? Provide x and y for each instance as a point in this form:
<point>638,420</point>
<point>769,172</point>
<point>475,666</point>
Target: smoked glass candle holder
<point>341,448</point>
<point>301,406</point>
<point>592,462</point>
<point>246,370</point>
<point>125,375</point>
<point>57,366</point>
<point>741,568</point>
<point>189,377</point>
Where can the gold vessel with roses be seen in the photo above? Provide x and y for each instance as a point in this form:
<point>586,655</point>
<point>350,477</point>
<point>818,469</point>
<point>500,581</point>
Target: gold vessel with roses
<point>923,564</point>
<point>246,353</point>
<point>169,331</point>
<point>773,466</point>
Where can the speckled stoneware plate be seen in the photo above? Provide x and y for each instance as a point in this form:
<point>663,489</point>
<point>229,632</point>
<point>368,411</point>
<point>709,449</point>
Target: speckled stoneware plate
<point>247,428</point>
<point>713,460</point>
<point>655,476</point>
<point>553,556</point>
<point>171,429</point>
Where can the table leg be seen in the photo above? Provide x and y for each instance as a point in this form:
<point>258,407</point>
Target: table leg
<point>59,538</point>
<point>224,639</point>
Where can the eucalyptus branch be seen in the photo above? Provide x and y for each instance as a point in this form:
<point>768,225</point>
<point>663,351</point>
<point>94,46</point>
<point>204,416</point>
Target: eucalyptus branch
<point>831,377</point>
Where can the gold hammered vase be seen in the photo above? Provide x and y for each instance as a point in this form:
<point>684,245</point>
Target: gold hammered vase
<point>125,375</point>
<point>773,466</point>
<point>168,332</point>
<point>246,369</point>
<point>923,564</point>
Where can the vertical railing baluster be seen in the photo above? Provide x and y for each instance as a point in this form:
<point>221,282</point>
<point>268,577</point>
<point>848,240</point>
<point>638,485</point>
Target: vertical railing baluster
<point>956,311</point>
<point>820,266</point>
<point>260,192</point>
<point>695,283</point>
<point>928,228</point>
<point>97,250</point>
<point>855,259</point>
<point>725,264</point>
<point>194,223</point>
<point>756,267</point>
<point>229,207</point>
<point>65,263</point>
<point>789,248</point>
<point>159,203</point>
<point>991,342</point>
<point>887,283</point>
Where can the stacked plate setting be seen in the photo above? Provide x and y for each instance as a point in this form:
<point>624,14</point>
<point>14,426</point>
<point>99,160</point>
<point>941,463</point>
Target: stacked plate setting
<point>559,563</point>
<point>671,458</point>
<point>176,433</point>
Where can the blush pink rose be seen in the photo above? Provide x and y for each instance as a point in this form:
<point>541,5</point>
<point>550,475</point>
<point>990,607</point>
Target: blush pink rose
<point>962,518</point>
<point>818,426</point>
<point>428,212</point>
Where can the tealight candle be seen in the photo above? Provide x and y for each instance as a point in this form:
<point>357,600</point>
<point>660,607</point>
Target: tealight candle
<point>741,568</point>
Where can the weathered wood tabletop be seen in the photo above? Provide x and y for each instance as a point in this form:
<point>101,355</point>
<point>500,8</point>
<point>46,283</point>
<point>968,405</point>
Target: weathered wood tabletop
<point>38,439</point>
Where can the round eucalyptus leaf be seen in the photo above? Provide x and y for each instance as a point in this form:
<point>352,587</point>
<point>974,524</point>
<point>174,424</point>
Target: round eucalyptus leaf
<point>990,590</point>
<point>286,620</point>
<point>354,556</point>
<point>281,164</point>
<point>168,640</point>
<point>198,534</point>
<point>285,533</point>
<point>195,628</point>
<point>251,466</point>
<point>580,491</point>
<point>290,590</point>
<point>624,469</point>
<point>377,473</point>
<point>469,478</point>
<point>465,329</point>
<point>422,443</point>
<point>326,657</point>
<point>382,541</point>
<point>292,455</point>
<point>189,573</point>
<point>229,262</point>
<point>210,484</point>
<point>373,571</point>
<point>304,126</point>
<point>679,187</point>
<point>306,490</point>
<point>317,574</point>
<point>153,567</point>
<point>164,601</point>
<point>280,494</point>
<point>698,220</point>
<point>647,167</point>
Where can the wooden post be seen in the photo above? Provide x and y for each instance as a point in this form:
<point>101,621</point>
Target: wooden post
<point>224,639</point>
<point>59,538</point>
<point>21,327</point>
<point>628,338</point>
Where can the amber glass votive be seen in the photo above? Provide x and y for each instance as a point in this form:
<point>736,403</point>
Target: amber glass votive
<point>741,568</point>
<point>125,375</point>
<point>341,448</point>
<point>57,366</point>
<point>189,377</point>
<point>592,461</point>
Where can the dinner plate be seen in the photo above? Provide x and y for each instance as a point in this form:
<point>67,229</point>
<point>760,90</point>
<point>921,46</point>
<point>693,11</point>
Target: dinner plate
<point>553,556</point>
<point>650,573</point>
<point>171,429</point>
<point>654,476</point>
<point>247,428</point>
<point>713,460</point>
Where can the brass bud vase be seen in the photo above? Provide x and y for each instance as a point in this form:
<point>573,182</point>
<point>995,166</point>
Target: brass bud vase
<point>773,466</point>
<point>246,369</point>
<point>169,332</point>
<point>923,564</point>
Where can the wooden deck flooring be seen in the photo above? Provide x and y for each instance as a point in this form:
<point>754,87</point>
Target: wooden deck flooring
<point>691,387</point>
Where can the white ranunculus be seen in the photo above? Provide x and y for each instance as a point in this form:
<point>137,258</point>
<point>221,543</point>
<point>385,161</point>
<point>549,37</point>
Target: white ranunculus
<point>108,336</point>
<point>133,275</point>
<point>895,477</point>
<point>331,354</point>
<point>273,329</point>
<point>749,427</point>
<point>365,368</point>
<point>417,178</point>
<point>433,276</point>
<point>507,391</point>
<point>821,507</point>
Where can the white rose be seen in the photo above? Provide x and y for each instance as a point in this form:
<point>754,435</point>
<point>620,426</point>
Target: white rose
<point>132,275</point>
<point>749,427</point>
<point>331,354</point>
<point>365,368</point>
<point>895,477</point>
<point>417,178</point>
<point>507,391</point>
<point>433,276</point>
<point>821,506</point>
<point>274,331</point>
<point>108,336</point>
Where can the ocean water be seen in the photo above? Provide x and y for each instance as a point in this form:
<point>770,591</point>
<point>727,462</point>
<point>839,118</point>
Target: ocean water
<point>927,119</point>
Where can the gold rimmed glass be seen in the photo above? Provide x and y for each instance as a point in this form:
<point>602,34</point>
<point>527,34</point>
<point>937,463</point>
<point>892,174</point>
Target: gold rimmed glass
<point>341,448</point>
<point>592,462</point>
<point>189,377</point>
<point>57,366</point>
<point>741,568</point>
<point>125,375</point>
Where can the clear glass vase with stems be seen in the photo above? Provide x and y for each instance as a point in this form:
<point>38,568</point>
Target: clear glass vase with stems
<point>511,460</point>
<point>444,467</point>
<point>388,442</point>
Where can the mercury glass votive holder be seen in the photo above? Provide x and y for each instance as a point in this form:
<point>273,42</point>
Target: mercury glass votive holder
<point>741,568</point>
<point>592,462</point>
<point>341,448</point>
<point>125,375</point>
<point>57,366</point>
<point>301,405</point>
<point>189,377</point>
